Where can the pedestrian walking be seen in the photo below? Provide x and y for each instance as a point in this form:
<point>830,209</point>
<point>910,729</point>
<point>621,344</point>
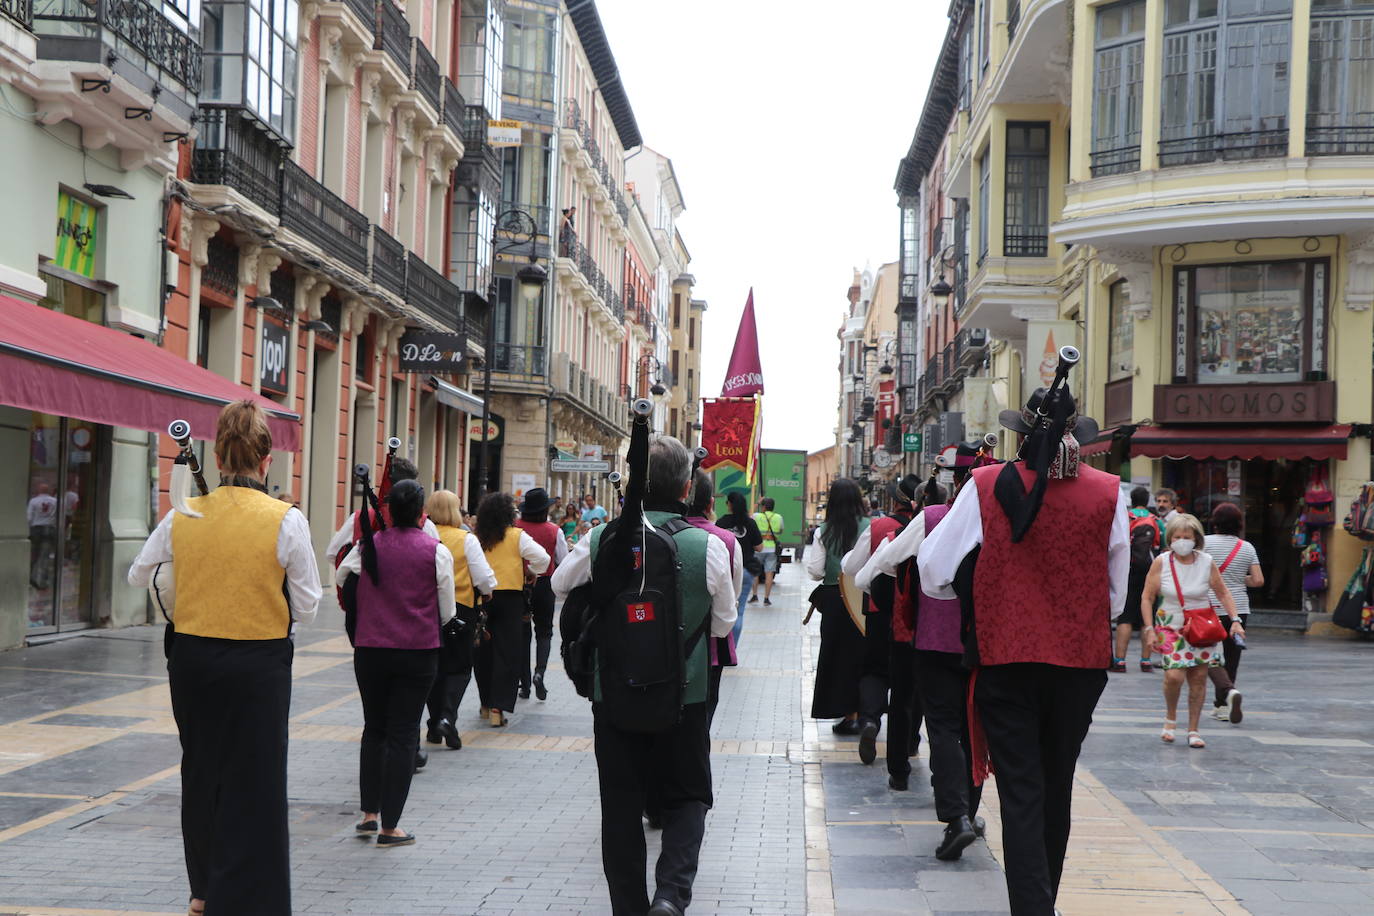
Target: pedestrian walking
<point>473,582</point>
<point>699,511</point>
<point>350,532</point>
<point>1146,535</point>
<point>1048,577</point>
<point>229,668</point>
<point>1239,565</point>
<point>570,519</point>
<point>840,662</point>
<point>1184,577</point>
<point>534,521</point>
<point>770,525</point>
<point>746,531</point>
<point>513,555</point>
<point>400,582</point>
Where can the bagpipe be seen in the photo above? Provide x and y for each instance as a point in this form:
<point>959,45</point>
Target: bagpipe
<point>1043,443</point>
<point>185,469</point>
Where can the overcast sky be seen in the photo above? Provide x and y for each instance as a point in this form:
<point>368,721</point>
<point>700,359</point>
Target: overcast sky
<point>785,123</point>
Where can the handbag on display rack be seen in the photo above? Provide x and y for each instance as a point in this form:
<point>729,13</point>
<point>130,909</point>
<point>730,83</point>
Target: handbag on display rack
<point>1321,512</point>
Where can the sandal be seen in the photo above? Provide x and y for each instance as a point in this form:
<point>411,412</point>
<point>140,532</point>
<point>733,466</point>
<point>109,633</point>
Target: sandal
<point>1195,741</point>
<point>1167,736</point>
<point>498,719</point>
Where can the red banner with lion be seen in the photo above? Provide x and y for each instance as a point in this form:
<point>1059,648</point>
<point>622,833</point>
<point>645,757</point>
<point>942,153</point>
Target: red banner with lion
<point>728,430</point>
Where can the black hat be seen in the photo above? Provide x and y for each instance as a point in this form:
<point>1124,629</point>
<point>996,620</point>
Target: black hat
<point>1022,421</point>
<point>907,490</point>
<point>536,500</point>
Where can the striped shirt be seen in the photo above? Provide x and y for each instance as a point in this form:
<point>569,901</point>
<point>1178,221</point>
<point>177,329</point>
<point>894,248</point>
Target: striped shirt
<point>1220,546</point>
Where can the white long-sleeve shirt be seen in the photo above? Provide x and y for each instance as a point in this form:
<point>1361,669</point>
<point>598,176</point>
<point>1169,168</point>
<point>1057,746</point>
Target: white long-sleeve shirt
<point>295,553</point>
<point>891,553</point>
<point>535,556</point>
<point>483,577</point>
<point>344,536</point>
<point>443,576</point>
<point>813,561</point>
<point>721,579</point>
<point>939,556</point>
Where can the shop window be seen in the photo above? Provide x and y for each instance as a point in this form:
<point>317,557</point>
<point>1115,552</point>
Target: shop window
<point>1118,78</point>
<point>73,296</point>
<point>1027,210</point>
<point>1120,333</point>
<point>1340,84</point>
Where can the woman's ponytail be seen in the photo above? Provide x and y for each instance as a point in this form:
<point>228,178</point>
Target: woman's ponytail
<point>242,439</point>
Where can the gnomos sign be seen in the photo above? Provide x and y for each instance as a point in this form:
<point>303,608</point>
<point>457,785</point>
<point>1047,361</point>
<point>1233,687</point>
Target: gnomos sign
<point>427,351</point>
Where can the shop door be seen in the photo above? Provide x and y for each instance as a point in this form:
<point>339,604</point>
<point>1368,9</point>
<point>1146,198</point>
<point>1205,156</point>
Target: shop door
<point>61,514</point>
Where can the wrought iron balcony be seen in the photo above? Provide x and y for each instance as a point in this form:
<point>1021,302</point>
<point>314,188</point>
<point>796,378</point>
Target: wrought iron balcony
<point>455,111</point>
<point>313,211</point>
<point>1341,141</point>
<point>388,268</point>
<point>425,77</point>
<point>516,359</point>
<point>393,34</point>
<point>1256,144</point>
<point>366,11</point>
<point>1117,161</point>
<point>232,151</point>
<point>476,317</point>
<point>1025,241</point>
<point>572,116</point>
<point>430,292</point>
<point>74,30</point>
<point>20,11</point>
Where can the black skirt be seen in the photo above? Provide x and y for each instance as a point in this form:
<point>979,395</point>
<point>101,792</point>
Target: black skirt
<point>841,660</point>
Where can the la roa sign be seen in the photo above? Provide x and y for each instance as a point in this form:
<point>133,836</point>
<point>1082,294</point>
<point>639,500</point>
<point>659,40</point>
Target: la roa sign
<point>428,351</point>
<point>1295,402</point>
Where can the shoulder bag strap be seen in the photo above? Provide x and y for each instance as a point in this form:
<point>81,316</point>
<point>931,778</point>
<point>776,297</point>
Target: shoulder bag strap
<point>1231,556</point>
<point>1178,589</point>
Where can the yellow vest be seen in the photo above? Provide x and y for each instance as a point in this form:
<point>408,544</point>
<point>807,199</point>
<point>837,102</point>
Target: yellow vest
<point>229,582</point>
<point>507,563</point>
<point>453,539</point>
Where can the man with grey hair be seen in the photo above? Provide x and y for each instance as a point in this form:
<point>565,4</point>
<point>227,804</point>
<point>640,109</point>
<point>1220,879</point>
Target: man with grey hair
<point>672,767</point>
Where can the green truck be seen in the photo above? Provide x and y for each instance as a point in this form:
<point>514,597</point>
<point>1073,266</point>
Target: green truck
<point>781,475</point>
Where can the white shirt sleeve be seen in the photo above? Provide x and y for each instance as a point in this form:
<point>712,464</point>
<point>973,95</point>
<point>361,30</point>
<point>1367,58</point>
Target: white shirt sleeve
<point>296,554</point>
<point>938,557</point>
<point>352,563</point>
<point>1119,554</point>
<point>720,586</point>
<point>560,547</point>
<point>530,551</point>
<point>901,548</point>
<point>856,558</point>
<point>737,570</point>
<point>429,529</point>
<point>157,549</point>
<point>865,576</point>
<point>342,538</point>
<point>443,574</point>
<point>814,559</point>
<point>483,578</point>
<point>576,569</point>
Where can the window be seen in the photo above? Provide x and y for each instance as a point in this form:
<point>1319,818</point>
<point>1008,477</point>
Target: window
<point>984,37</point>
<point>911,261</point>
<point>203,337</point>
<point>984,193</point>
<point>525,178</point>
<point>74,298</point>
<point>480,51</point>
<point>1120,333</point>
<point>965,67</point>
<point>471,230</point>
<point>1240,109</point>
<point>692,334</point>
<point>398,409</point>
<point>677,310</point>
<point>249,51</point>
<point>960,251</point>
<point>1027,211</point>
<point>1340,86</point>
<point>531,42</point>
<point>1118,76</point>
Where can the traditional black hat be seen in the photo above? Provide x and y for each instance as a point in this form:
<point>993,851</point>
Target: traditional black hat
<point>1022,421</point>
<point>536,500</point>
<point>906,490</point>
<point>1050,450</point>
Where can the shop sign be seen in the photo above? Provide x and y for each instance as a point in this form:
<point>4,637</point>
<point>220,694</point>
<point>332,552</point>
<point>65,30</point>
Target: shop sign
<point>1295,402</point>
<point>76,235</point>
<point>579,466</point>
<point>520,484</point>
<point>275,357</point>
<point>503,133</point>
<point>590,453</point>
<point>429,351</point>
<point>911,442</point>
<point>566,446</point>
<point>494,426</point>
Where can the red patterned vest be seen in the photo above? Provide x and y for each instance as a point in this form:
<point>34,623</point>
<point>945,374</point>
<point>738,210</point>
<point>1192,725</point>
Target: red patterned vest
<point>546,535</point>
<point>881,596</point>
<point>1048,598</point>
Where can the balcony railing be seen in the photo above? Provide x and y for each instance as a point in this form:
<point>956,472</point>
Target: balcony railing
<point>366,11</point>
<point>316,213</point>
<point>20,11</point>
<point>393,34</point>
<point>455,111</point>
<point>388,262</point>
<point>1115,161</point>
<point>473,126</point>
<point>516,359</point>
<point>233,152</point>
<point>1025,242</point>
<point>1341,141</point>
<point>431,293</point>
<point>425,77</point>
<point>572,118</point>
<point>136,24</point>
<point>1013,18</point>
<point>1256,144</point>
<point>476,317</point>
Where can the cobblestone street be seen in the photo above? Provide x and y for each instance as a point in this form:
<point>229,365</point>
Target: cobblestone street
<point>1275,816</point>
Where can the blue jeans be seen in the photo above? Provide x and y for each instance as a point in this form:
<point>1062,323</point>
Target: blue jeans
<point>746,584</point>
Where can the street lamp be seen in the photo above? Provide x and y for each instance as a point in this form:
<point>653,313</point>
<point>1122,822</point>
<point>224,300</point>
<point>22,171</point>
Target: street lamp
<point>654,365</point>
<point>522,228</point>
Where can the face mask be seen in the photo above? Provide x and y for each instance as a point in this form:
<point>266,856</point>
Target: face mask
<point>1183,546</point>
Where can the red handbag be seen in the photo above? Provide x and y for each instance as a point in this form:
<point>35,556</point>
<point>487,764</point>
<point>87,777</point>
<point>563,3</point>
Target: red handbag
<point>1201,627</point>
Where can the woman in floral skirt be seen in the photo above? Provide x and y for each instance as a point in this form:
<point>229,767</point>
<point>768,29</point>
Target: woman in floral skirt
<point>1182,576</point>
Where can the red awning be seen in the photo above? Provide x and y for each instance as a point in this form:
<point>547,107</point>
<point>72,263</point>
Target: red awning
<point>1320,442</point>
<point>1101,444</point>
<point>61,365</point>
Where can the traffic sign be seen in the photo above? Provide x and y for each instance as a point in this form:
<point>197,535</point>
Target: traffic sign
<point>911,442</point>
<point>579,465</point>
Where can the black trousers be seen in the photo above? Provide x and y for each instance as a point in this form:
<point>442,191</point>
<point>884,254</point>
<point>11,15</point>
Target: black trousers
<point>232,699</point>
<point>539,626</point>
<point>497,663</point>
<point>873,679</point>
<point>942,681</point>
<point>904,710</point>
<point>1035,717</point>
<point>454,675</point>
<point>1223,677</point>
<point>394,684</point>
<point>675,769</point>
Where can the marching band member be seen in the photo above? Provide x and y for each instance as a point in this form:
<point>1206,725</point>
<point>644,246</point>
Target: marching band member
<point>840,662</point>
<point>349,533</point>
<point>534,521</point>
<point>229,669</point>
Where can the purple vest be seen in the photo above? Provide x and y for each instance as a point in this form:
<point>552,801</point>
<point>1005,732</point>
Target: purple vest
<point>937,624</point>
<point>728,537</point>
<point>402,612</point>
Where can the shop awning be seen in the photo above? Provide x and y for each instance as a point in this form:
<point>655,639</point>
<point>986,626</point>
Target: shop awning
<point>452,396</point>
<point>1101,444</point>
<point>1320,442</point>
<point>61,365</point>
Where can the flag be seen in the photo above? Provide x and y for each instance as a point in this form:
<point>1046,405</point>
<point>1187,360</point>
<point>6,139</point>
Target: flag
<point>728,432</point>
<point>744,377</point>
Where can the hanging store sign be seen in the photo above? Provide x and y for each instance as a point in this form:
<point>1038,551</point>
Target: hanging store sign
<point>495,425</point>
<point>76,235</point>
<point>429,351</point>
<point>503,133</point>
<point>578,466</point>
<point>911,442</point>
<point>275,358</point>
<point>566,446</point>
<point>1292,402</point>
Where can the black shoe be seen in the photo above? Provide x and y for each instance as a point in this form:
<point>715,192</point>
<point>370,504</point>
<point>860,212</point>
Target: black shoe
<point>846,727</point>
<point>654,820</point>
<point>450,734</point>
<point>433,735</point>
<point>868,742</point>
<point>406,839</point>
<point>664,908</point>
<point>366,828</point>
<point>980,827</point>
<point>958,834</point>
<point>540,690</point>
<point>768,602</point>
<point>753,599</point>
<point>421,758</point>
<point>897,783</point>
<point>525,692</point>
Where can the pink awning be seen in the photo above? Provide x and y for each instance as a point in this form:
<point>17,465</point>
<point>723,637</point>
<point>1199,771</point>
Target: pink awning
<point>61,365</point>
<point>1100,444</point>
<point>1222,442</point>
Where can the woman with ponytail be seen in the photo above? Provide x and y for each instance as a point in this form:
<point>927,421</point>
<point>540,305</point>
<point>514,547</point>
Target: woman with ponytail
<point>229,668</point>
<point>840,662</point>
<point>404,595</point>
